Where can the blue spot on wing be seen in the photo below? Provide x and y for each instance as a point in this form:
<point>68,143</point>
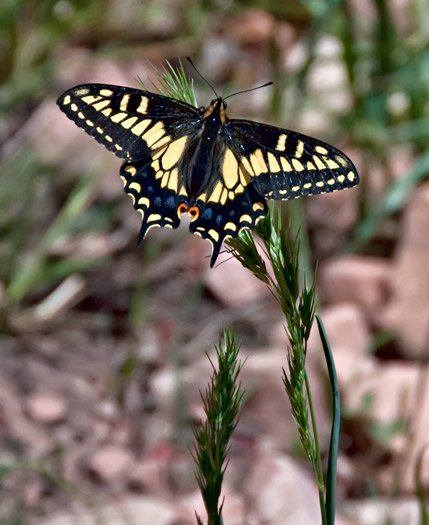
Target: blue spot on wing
<point>207,214</point>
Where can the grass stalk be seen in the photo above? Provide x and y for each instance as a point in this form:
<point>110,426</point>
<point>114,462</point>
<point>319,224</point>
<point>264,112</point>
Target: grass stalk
<point>297,301</point>
<point>222,400</point>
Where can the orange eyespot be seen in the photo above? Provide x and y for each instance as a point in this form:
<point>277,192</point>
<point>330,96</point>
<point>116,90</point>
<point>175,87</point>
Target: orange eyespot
<point>194,212</point>
<point>182,208</point>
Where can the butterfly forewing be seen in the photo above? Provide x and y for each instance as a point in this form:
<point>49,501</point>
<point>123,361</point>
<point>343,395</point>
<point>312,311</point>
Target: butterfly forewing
<point>283,164</point>
<point>130,122</point>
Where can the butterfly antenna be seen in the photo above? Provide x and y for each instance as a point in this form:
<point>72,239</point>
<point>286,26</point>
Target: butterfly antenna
<point>247,90</point>
<point>201,76</point>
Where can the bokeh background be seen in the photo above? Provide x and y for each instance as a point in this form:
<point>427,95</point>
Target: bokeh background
<point>102,343</point>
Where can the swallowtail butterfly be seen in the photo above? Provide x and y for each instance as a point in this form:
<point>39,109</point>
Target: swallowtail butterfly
<point>180,159</point>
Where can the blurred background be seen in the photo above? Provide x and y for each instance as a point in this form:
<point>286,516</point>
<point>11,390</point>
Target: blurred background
<point>102,344</point>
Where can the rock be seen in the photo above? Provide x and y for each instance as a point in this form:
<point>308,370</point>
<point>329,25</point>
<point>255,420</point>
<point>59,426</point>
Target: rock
<point>110,463</point>
<point>356,279</point>
<point>349,340</point>
<point>397,394</point>
<point>48,125</point>
<point>376,511</point>
<point>252,27</point>
<point>25,434</point>
<point>154,472</point>
<point>408,311</point>
<point>232,284</point>
<point>47,407</point>
<point>280,492</point>
<point>233,509</point>
<point>389,387</point>
<point>142,510</point>
<point>332,215</point>
<point>267,408</point>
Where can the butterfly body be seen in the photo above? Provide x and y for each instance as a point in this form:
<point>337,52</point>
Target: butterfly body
<point>203,151</point>
<point>180,159</point>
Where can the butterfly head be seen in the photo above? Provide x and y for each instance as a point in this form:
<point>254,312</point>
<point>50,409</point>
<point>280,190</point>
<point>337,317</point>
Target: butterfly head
<point>216,111</point>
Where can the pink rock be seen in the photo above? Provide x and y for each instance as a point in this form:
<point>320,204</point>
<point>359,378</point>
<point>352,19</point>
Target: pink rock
<point>46,407</point>
<point>233,509</point>
<point>280,492</point>
<point>356,279</point>
<point>349,339</point>
<point>395,396</point>
<point>408,311</point>
<point>110,463</point>
<point>267,410</point>
<point>252,27</point>
<point>17,423</point>
<point>389,386</point>
<point>232,284</point>
<point>153,472</point>
<point>131,510</point>
<point>377,510</point>
<point>331,216</point>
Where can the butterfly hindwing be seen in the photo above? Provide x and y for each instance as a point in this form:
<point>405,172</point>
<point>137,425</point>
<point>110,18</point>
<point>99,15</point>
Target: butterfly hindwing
<point>283,164</point>
<point>220,220</point>
<point>157,203</point>
<point>130,122</point>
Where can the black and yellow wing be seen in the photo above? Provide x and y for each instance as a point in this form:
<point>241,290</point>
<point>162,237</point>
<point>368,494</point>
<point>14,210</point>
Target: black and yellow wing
<point>222,219</point>
<point>282,164</point>
<point>129,122</point>
<point>260,162</point>
<point>150,131</point>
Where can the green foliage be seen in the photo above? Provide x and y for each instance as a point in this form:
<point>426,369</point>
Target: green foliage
<point>222,400</point>
<point>420,488</point>
<point>331,476</point>
<point>174,83</point>
<point>29,274</point>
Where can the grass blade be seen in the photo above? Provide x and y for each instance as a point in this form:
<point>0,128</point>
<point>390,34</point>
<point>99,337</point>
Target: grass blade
<point>335,429</point>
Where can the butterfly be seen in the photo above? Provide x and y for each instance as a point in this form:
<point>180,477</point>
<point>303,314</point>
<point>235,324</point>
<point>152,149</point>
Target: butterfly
<point>180,159</point>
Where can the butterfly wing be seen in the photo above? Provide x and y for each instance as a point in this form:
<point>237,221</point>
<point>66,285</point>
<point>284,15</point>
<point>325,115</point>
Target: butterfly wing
<point>282,164</point>
<point>228,204</point>
<point>222,219</point>
<point>150,131</point>
<point>260,162</point>
<point>129,122</point>
<point>154,197</point>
